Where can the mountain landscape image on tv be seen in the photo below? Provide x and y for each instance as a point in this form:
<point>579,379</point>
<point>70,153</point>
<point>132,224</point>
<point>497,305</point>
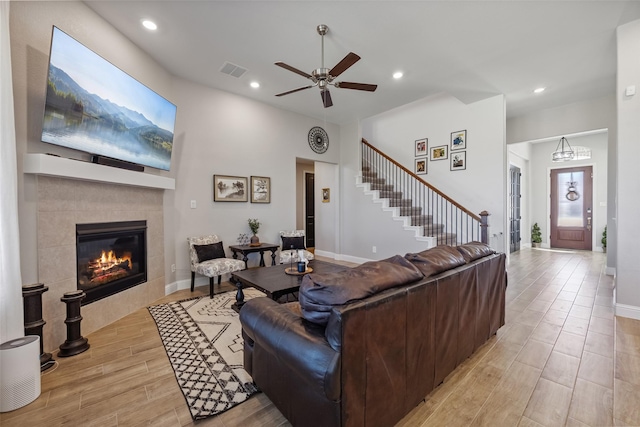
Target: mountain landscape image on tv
<point>95,107</point>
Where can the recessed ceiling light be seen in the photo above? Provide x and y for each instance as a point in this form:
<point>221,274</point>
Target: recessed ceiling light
<point>397,75</point>
<point>539,90</point>
<point>149,25</point>
<point>255,85</point>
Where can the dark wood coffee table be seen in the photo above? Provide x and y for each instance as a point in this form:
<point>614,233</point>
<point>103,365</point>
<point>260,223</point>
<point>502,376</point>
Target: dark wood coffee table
<point>273,281</point>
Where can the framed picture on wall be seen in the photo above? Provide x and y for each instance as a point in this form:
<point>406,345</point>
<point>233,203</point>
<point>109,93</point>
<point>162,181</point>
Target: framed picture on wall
<point>421,166</point>
<point>439,153</point>
<point>421,147</point>
<point>459,140</point>
<point>229,188</point>
<point>459,161</point>
<point>326,195</point>
<point>260,189</point>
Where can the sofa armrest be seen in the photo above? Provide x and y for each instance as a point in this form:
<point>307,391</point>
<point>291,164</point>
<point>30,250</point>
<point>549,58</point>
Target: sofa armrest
<point>297,344</point>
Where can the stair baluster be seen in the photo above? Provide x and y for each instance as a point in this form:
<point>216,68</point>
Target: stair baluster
<point>436,213</point>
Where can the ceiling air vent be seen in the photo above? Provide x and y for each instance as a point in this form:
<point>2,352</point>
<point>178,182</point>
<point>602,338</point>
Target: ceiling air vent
<point>232,69</point>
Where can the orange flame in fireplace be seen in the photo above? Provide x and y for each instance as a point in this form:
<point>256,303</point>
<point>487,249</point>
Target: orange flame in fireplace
<point>108,260</point>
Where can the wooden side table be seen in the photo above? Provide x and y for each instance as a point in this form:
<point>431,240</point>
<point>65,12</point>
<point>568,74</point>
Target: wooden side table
<point>246,249</point>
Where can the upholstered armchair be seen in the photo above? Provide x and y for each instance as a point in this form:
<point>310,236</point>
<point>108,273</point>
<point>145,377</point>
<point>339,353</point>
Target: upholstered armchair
<point>292,241</point>
<point>208,259</point>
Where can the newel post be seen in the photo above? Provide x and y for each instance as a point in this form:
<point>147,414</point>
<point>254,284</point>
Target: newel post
<point>484,225</point>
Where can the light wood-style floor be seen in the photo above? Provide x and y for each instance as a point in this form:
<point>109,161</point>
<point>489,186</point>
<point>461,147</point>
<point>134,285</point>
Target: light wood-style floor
<point>562,358</point>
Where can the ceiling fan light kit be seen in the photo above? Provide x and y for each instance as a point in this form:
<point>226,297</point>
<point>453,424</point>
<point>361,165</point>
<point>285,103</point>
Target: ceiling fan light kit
<point>323,77</point>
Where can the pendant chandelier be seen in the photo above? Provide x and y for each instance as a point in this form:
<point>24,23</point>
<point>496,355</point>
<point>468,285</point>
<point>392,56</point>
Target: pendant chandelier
<point>563,152</point>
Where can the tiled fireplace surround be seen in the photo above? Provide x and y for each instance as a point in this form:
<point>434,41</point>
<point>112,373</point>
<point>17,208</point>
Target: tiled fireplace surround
<point>62,203</point>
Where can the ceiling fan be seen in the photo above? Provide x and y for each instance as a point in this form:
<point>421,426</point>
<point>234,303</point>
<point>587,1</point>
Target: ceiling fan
<point>323,77</point>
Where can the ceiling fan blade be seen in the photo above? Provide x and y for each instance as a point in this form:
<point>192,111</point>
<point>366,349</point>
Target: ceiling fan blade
<point>295,70</point>
<point>356,86</point>
<point>295,90</point>
<point>343,65</point>
<point>326,98</point>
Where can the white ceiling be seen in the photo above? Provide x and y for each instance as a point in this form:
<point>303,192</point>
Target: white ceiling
<point>471,49</point>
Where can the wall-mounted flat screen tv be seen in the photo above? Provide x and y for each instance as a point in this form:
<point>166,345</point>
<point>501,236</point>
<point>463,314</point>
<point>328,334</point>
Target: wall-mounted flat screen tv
<point>93,106</point>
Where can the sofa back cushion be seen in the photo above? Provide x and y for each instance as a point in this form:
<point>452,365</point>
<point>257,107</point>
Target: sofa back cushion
<point>319,293</point>
<point>474,250</point>
<point>436,260</point>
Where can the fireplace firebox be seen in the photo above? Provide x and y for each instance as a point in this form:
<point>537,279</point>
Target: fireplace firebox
<point>111,257</point>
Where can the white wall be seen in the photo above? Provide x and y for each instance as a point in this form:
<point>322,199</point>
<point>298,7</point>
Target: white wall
<point>628,172</point>
<point>11,312</point>
<point>226,134</point>
<point>597,113</point>
<point>541,165</point>
<point>480,187</point>
<point>327,214</point>
<point>350,137</point>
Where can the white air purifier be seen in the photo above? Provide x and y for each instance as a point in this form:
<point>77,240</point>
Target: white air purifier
<point>19,372</point>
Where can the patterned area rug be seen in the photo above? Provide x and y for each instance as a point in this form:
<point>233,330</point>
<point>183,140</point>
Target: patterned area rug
<point>203,339</point>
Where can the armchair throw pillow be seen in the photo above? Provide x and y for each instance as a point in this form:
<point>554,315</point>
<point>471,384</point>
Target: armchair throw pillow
<point>292,243</point>
<point>209,252</point>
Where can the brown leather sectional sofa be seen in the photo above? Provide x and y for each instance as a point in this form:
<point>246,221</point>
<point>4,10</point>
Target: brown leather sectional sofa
<point>366,345</point>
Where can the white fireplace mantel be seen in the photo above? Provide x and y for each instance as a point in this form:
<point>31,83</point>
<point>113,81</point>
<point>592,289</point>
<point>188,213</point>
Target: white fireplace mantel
<point>45,164</point>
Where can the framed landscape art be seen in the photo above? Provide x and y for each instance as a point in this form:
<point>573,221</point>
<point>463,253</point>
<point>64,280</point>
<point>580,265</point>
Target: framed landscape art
<point>459,161</point>
<point>459,140</point>
<point>229,188</point>
<point>421,166</point>
<point>421,147</point>
<point>260,189</point>
<point>439,153</point>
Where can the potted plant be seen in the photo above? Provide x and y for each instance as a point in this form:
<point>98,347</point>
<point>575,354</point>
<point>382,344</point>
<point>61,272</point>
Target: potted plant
<point>254,225</point>
<point>604,239</point>
<point>536,236</point>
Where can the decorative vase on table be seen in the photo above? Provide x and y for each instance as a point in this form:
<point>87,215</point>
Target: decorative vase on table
<point>254,225</point>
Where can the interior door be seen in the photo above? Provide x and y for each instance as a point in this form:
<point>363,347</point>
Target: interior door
<point>515,216</point>
<point>571,208</point>
<point>309,211</point>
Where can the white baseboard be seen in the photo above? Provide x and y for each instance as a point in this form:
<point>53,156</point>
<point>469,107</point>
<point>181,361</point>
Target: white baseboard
<point>186,284</point>
<point>630,311</point>
<point>170,288</point>
<point>340,257</point>
<point>353,259</point>
<point>325,254</point>
<point>610,271</point>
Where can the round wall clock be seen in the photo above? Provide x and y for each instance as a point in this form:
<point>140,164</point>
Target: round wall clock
<point>318,139</point>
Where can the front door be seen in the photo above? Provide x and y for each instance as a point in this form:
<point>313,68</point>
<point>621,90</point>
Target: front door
<point>571,210</point>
